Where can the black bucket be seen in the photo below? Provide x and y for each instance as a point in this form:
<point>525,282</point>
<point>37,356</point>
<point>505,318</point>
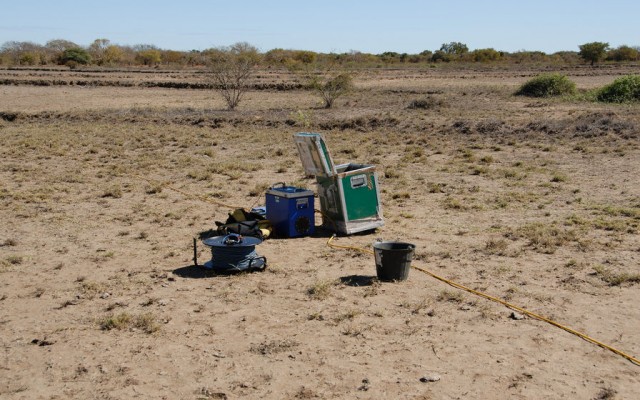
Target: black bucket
<point>393,260</point>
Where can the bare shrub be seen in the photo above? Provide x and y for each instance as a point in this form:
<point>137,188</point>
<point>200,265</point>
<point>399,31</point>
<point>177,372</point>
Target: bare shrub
<point>330,87</point>
<point>231,68</point>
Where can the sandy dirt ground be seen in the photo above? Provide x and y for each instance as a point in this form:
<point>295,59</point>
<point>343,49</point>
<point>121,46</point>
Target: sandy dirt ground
<point>533,201</point>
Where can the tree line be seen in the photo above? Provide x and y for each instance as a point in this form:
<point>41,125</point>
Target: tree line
<point>101,52</point>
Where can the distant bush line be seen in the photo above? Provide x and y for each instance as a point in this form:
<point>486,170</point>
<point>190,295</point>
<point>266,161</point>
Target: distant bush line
<point>101,52</point>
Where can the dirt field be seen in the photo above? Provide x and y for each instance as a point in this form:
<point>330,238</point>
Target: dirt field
<point>534,201</point>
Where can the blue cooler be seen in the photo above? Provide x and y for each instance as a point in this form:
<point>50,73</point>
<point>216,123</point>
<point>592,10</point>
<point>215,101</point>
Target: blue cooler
<point>290,210</point>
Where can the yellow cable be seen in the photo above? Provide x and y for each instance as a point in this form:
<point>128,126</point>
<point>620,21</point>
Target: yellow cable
<point>503,302</point>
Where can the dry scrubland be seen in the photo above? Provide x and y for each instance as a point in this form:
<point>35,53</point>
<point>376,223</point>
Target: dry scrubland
<point>535,201</point>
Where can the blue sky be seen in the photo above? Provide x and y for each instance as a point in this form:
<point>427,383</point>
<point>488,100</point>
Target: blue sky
<point>372,26</point>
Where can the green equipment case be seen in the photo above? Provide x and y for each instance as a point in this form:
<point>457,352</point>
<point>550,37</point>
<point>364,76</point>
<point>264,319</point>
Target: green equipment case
<point>349,193</point>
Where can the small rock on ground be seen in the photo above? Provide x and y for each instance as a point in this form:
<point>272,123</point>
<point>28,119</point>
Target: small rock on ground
<point>431,377</point>
<point>516,316</point>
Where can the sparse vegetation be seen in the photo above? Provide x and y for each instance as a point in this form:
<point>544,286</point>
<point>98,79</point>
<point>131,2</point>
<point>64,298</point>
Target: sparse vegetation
<point>470,185</point>
<point>546,238</point>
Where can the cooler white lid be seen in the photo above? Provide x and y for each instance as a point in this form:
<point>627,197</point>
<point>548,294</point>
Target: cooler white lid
<point>314,154</point>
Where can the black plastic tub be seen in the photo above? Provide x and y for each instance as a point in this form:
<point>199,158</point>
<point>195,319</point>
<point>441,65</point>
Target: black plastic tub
<point>393,260</point>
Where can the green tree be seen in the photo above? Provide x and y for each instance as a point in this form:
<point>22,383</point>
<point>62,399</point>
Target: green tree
<point>231,68</point>
<point>593,52</point>
<point>454,48</point>
<point>74,56</point>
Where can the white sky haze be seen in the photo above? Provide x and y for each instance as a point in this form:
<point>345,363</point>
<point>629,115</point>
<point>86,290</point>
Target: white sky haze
<point>374,26</point>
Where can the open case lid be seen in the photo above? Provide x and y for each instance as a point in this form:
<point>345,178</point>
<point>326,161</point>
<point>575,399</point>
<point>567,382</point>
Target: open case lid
<point>314,154</point>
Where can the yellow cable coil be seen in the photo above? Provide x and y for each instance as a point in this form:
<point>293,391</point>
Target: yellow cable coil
<point>503,302</point>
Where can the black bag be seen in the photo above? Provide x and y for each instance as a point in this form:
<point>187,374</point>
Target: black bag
<point>245,223</point>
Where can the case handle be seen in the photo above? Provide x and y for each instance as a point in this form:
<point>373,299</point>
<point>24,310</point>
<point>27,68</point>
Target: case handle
<point>358,181</point>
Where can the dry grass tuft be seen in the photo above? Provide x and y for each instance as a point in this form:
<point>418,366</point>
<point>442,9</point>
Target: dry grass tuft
<point>321,289</point>
<point>450,296</point>
<point>14,260</point>
<point>113,192</point>
<point>613,278</point>
<point>496,246</point>
<point>145,322</point>
<point>119,321</point>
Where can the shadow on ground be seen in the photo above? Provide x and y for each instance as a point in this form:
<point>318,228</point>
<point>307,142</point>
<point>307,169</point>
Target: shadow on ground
<point>358,280</point>
<point>198,272</point>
